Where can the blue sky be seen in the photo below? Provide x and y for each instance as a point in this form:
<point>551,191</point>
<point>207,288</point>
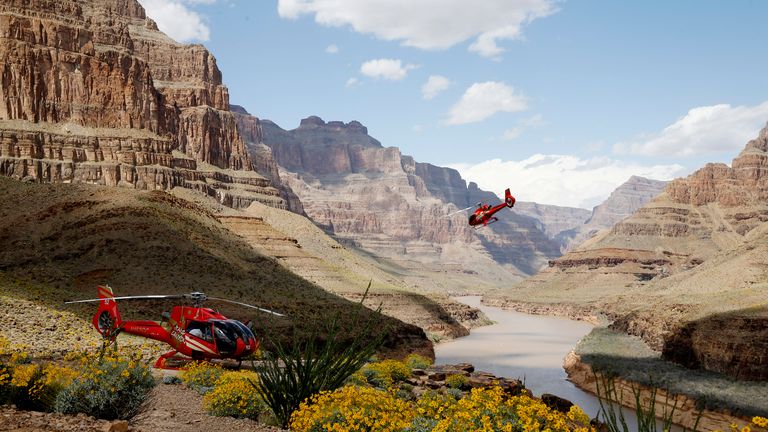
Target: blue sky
<point>562,100</point>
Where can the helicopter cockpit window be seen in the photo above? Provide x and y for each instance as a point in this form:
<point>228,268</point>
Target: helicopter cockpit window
<point>200,329</point>
<point>226,334</point>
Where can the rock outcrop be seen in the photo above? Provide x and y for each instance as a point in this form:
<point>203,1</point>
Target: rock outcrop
<point>696,251</point>
<point>572,226</point>
<point>264,161</point>
<point>374,198</point>
<point>92,92</point>
<point>557,222</point>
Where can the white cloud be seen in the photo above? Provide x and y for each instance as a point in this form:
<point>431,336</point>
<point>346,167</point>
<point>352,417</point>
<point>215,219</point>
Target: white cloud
<point>434,86</point>
<point>388,69</point>
<point>482,100</point>
<point>524,124</point>
<point>427,24</point>
<point>352,82</point>
<point>174,18</point>
<point>561,179</point>
<point>707,129</point>
<point>332,49</point>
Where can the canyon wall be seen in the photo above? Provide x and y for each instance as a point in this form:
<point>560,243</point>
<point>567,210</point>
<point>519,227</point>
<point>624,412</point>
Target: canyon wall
<point>376,199</point>
<point>691,260</point>
<point>92,92</point>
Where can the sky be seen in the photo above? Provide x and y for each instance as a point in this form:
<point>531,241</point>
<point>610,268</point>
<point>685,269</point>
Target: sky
<point>561,100</point>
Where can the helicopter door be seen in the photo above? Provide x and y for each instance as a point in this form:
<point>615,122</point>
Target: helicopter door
<point>201,329</point>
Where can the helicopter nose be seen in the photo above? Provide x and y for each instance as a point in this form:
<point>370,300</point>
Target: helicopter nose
<point>240,346</point>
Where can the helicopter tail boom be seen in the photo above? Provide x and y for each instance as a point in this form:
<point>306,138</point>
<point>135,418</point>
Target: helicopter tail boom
<point>107,318</point>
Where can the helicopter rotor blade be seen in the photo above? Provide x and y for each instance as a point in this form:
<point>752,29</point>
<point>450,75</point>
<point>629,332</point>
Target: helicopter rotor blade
<point>247,305</point>
<point>457,211</point>
<point>141,297</point>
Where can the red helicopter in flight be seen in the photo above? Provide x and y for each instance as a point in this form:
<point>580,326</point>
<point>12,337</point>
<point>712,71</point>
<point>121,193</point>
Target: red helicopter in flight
<point>484,213</point>
<point>195,332</point>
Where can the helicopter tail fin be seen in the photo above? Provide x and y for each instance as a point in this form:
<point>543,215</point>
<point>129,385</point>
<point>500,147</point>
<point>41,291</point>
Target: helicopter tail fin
<point>107,319</point>
<point>509,199</point>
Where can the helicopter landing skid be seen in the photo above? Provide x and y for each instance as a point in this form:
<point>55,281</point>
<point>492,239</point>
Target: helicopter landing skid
<point>168,361</point>
<point>492,220</point>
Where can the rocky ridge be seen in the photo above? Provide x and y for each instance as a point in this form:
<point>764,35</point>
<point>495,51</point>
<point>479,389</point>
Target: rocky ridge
<point>92,92</point>
<point>693,253</point>
<point>572,226</point>
<point>377,200</point>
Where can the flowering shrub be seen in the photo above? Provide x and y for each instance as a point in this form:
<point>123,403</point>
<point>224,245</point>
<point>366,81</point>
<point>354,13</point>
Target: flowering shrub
<point>457,381</point>
<point>492,410</point>
<point>351,409</point>
<point>202,376</point>
<point>109,386</point>
<point>364,408</point>
<point>415,361</point>
<point>760,422</point>
<point>233,395</point>
<point>383,374</point>
<point>29,385</point>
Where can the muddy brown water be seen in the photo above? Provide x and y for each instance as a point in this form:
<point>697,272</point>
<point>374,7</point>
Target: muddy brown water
<point>528,347</point>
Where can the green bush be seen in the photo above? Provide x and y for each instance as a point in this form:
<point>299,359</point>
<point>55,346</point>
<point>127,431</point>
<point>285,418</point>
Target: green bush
<point>457,381</point>
<point>416,361</point>
<point>202,376</point>
<point>385,373</point>
<point>234,396</point>
<point>111,386</point>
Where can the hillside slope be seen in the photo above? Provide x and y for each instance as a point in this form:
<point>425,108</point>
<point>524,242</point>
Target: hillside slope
<point>60,241</point>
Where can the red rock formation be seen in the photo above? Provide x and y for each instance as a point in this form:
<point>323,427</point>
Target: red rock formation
<point>395,207</point>
<point>93,92</point>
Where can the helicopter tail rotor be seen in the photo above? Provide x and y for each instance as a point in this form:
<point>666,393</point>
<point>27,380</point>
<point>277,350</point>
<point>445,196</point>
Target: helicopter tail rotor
<point>107,319</point>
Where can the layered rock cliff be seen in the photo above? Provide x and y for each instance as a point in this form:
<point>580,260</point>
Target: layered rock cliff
<point>383,202</point>
<point>92,92</point>
<point>263,159</point>
<point>671,270</point>
<point>572,226</point>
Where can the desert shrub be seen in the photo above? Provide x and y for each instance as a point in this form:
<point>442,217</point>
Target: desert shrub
<point>352,408</point>
<point>234,396</point>
<point>171,380</point>
<point>760,422</point>
<point>435,405</point>
<point>492,410</point>
<point>456,393</point>
<point>109,386</point>
<point>385,373</point>
<point>457,381</point>
<point>36,387</point>
<point>202,376</point>
<point>416,361</point>
<point>5,383</point>
<point>291,373</point>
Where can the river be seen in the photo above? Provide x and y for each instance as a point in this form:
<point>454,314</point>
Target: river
<point>528,347</point>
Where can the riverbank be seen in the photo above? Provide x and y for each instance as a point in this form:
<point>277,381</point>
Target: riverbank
<point>684,409</point>
<point>720,399</point>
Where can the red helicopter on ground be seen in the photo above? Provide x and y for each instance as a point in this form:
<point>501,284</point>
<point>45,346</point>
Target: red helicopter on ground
<point>195,332</point>
<point>484,213</point>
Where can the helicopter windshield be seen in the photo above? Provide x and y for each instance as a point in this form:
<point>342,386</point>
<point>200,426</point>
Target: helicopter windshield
<point>226,334</point>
